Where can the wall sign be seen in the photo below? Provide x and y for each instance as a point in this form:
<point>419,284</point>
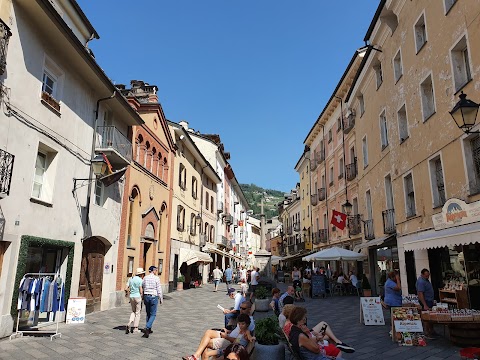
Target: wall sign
<point>456,212</point>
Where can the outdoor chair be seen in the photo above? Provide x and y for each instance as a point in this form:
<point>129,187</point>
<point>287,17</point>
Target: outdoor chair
<point>338,289</point>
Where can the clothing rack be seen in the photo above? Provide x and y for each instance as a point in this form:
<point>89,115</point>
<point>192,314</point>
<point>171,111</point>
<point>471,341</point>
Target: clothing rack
<point>57,320</point>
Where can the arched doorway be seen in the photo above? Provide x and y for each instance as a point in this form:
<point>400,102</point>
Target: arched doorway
<point>91,273</point>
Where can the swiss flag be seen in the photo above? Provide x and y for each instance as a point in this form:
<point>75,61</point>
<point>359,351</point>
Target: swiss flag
<point>339,220</point>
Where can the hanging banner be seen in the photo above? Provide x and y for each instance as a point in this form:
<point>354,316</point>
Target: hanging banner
<point>371,311</point>
<point>76,310</point>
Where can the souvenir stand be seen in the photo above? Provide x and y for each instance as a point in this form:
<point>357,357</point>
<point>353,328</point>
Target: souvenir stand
<point>57,318</point>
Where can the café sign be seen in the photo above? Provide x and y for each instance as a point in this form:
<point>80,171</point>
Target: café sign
<point>456,212</point>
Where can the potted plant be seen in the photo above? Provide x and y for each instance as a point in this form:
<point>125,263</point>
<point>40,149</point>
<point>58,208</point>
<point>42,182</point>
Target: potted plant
<point>366,288</point>
<point>180,281</point>
<point>261,299</point>
<point>268,346</point>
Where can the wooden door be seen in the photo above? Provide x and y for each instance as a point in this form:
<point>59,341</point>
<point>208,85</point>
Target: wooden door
<point>91,273</point>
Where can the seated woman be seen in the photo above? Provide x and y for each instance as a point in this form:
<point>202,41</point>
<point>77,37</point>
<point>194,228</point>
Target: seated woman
<point>393,290</point>
<point>235,352</point>
<point>283,319</point>
<point>310,343</point>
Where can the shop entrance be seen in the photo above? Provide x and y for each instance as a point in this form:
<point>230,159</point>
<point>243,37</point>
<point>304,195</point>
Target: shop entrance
<point>91,273</point>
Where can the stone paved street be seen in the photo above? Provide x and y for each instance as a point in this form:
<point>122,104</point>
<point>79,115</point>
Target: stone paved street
<point>182,320</point>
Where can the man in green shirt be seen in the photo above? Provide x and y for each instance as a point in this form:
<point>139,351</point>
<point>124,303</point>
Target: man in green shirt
<point>134,286</point>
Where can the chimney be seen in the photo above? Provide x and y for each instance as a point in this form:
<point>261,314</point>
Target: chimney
<point>184,124</point>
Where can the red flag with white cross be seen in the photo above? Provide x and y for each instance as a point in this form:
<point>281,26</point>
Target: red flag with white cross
<point>339,220</point>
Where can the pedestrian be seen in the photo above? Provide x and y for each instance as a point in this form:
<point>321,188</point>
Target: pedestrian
<point>243,273</point>
<point>228,276</point>
<point>217,275</point>
<point>232,314</point>
<point>152,295</point>
<point>393,290</point>
<point>255,275</point>
<point>135,289</point>
<point>425,297</point>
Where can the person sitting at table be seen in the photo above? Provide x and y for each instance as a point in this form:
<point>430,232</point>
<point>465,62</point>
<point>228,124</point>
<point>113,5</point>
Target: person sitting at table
<point>393,290</point>
<point>353,280</point>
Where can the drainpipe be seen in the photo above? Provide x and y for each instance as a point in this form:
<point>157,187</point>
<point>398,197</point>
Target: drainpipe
<point>90,175</point>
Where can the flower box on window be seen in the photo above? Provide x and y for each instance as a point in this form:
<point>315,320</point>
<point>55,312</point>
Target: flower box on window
<point>47,98</point>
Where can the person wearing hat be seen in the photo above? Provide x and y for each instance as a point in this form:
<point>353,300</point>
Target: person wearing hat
<point>152,294</point>
<point>239,299</point>
<point>134,287</point>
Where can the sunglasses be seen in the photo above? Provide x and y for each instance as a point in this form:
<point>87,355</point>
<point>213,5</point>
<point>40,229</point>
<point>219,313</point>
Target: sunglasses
<point>244,308</point>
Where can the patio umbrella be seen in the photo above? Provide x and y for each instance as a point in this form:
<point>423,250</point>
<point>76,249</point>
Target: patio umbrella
<point>335,253</point>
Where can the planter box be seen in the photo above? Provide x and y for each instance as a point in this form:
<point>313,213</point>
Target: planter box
<point>262,305</point>
<point>263,352</point>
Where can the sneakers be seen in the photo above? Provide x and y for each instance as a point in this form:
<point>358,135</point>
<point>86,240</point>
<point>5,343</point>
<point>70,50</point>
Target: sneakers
<point>127,330</point>
<point>146,333</point>
<point>344,347</point>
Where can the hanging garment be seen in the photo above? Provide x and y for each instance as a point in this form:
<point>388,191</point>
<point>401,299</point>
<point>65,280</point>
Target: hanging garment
<point>25,293</point>
<point>44,295</point>
<point>31,303</point>
<point>38,290</point>
<point>62,298</point>
<point>55,301</point>
<point>19,300</point>
<point>50,297</point>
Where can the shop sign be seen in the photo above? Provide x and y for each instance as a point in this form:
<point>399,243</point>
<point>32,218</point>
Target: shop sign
<point>76,310</point>
<point>407,326</point>
<point>371,311</point>
<point>456,212</point>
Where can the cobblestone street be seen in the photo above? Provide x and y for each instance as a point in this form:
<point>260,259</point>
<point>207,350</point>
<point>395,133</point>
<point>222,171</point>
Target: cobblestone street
<point>184,316</point>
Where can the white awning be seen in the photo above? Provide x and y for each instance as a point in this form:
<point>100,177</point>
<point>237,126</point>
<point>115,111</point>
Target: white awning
<point>374,242</point>
<point>460,235</point>
<point>191,256</point>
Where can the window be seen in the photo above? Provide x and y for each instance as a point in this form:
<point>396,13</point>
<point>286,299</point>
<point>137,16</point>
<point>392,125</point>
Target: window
<point>438,184</point>
<point>397,66</point>
<point>193,226</point>
<point>44,176</point>
<point>52,79</point>
<point>378,74</point>
<point>212,234</point>
<point>194,187</point>
<point>339,124</point>
<point>409,195</point>
<point>448,5</point>
<point>206,200</point>
<point>180,218</point>
<point>368,202</point>
<point>49,83</point>
<point>420,33</point>
<point>383,130</point>
<point>211,204</point>
<point>182,177</point>
<point>331,176</point>
<point>472,160</point>
<point>361,104</point>
<point>428,98</point>
<point>388,192</point>
<point>460,64</point>
<point>330,136</point>
<point>365,151</point>
<point>341,168</point>
<point>402,124</point>
<point>206,232</point>
<point>99,193</point>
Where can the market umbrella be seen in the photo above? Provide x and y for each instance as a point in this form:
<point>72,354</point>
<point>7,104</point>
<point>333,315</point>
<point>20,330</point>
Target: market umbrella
<point>335,253</point>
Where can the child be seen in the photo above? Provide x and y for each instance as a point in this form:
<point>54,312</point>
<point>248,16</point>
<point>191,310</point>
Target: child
<point>298,293</point>
<point>244,288</point>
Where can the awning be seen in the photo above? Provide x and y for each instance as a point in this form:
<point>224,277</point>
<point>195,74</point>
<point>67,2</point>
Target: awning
<point>191,256</point>
<point>460,235</point>
<point>373,243</point>
<point>221,252</point>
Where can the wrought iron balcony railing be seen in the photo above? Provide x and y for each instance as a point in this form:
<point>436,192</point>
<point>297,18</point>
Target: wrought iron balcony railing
<point>313,163</point>
<point>354,225</point>
<point>109,138</point>
<point>221,240</point>
<point>5,36</point>
<point>228,219</point>
<point>314,199</point>
<point>301,246</point>
<point>6,170</point>
<point>389,226</point>
<point>322,193</point>
<point>296,227</point>
<point>349,122</point>
<point>368,229</point>
<point>321,236</point>
<point>352,170</point>
<point>320,154</point>
<point>291,249</point>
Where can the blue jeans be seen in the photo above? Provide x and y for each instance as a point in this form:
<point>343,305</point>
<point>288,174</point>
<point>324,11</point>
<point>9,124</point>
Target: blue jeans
<point>229,316</point>
<point>151,303</point>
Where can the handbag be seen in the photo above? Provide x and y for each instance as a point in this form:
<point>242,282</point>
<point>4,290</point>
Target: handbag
<point>127,289</point>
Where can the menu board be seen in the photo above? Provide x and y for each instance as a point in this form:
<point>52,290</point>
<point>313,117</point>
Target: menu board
<point>371,311</point>
<point>407,325</point>
<point>76,310</point>
<point>318,285</point>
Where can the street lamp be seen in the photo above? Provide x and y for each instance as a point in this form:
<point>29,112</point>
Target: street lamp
<point>99,165</point>
<point>347,207</point>
<point>464,113</point>
<point>198,219</point>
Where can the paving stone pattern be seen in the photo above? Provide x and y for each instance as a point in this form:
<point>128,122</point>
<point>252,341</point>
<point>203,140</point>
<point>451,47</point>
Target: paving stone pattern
<point>183,318</point>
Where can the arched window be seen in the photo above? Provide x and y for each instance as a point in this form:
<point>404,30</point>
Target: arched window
<point>138,143</point>
<point>180,218</point>
<point>149,231</point>
<point>194,187</point>
<point>193,227</point>
<point>212,234</point>
<point>148,156</point>
<point>206,232</point>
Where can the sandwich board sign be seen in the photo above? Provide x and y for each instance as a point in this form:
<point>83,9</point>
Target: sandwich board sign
<point>371,312</point>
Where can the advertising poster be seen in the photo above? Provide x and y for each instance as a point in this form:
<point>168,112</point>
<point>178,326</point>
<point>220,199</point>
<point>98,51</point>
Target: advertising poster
<point>407,324</point>
<point>371,310</point>
<point>76,310</point>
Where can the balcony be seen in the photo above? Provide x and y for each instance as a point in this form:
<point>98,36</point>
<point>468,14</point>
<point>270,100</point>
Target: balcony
<point>314,199</point>
<point>323,235</point>
<point>5,31</point>
<point>114,144</point>
<point>228,219</point>
<point>352,170</point>
<point>301,246</point>
<point>368,229</point>
<point>389,226</point>
<point>354,225</point>
<point>220,207</point>
<point>296,227</point>
<point>349,122</point>
<point>6,170</point>
<point>313,163</point>
<point>289,230</point>
<point>322,193</point>
<point>291,249</point>
<point>320,156</point>
<point>222,240</point>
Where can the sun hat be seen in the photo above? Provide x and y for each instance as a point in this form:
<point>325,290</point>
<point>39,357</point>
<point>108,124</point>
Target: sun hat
<point>139,271</point>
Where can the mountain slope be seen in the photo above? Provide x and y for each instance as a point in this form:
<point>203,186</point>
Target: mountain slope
<point>254,195</point>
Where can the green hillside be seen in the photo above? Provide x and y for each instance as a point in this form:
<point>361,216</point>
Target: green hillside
<point>271,198</point>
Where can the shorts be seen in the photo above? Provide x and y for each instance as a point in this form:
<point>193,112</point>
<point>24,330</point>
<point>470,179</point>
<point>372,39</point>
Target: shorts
<point>331,350</point>
<point>253,287</point>
<point>216,281</point>
<point>220,343</point>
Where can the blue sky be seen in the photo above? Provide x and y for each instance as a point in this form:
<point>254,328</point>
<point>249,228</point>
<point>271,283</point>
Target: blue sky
<point>257,72</point>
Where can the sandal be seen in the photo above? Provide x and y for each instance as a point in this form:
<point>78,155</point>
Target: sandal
<point>190,357</point>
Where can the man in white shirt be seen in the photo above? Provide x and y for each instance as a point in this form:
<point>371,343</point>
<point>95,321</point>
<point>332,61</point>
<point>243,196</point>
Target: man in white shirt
<point>239,299</point>
<point>217,276</point>
<point>255,276</point>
